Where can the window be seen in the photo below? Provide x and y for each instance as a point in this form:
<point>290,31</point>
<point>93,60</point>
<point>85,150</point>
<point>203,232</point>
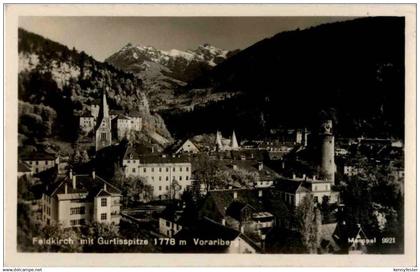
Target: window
<point>103,216</point>
<point>46,162</point>
<point>103,136</point>
<point>160,178</point>
<point>167,178</point>
<point>134,170</point>
<point>128,161</point>
<point>180,178</point>
<point>153,178</point>
<point>144,170</point>
<point>187,169</point>
<point>160,169</point>
<point>103,202</point>
<point>167,187</point>
<point>168,224</point>
<point>167,169</point>
<point>77,210</point>
<point>36,162</point>
<point>186,177</point>
<point>160,188</point>
<point>180,169</point>
<point>173,169</point>
<point>153,169</point>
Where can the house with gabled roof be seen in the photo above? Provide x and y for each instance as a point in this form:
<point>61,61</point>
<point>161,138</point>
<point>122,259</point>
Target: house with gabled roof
<point>76,200</point>
<point>245,210</point>
<point>186,146</point>
<point>39,161</point>
<point>293,190</point>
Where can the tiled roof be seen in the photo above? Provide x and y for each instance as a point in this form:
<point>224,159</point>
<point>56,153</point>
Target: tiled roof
<point>224,198</point>
<point>86,114</point>
<point>266,173</point>
<point>122,117</point>
<point>174,147</point>
<point>207,229</point>
<point>134,114</point>
<point>290,186</point>
<point>137,150</point>
<point>159,159</point>
<point>144,154</point>
<point>37,155</point>
<point>23,167</point>
<point>84,184</point>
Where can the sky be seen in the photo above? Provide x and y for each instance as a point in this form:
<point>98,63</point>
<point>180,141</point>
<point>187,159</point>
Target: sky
<point>100,37</point>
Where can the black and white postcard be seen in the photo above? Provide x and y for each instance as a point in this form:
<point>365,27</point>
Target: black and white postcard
<point>235,135</point>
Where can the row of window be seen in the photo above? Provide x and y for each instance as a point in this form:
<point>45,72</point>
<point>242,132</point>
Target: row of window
<point>77,210</point>
<point>37,162</point>
<point>160,178</point>
<point>167,188</point>
<point>158,169</point>
<point>77,222</point>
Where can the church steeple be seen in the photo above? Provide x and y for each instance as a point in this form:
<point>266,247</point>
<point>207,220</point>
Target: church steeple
<point>105,109</point>
<point>234,143</point>
<point>219,145</point>
<point>103,125</point>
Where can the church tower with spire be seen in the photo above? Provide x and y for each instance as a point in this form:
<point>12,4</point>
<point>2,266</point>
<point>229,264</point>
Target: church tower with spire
<point>103,125</point>
<point>234,143</point>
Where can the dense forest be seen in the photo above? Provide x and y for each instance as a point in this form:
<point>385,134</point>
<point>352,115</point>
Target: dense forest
<point>353,71</point>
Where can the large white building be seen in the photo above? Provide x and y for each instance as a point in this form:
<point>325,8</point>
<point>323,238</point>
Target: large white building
<point>168,175</point>
<point>76,200</point>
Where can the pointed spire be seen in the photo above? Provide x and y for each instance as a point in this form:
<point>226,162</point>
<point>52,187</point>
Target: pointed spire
<point>234,143</point>
<point>105,104</point>
<point>219,140</point>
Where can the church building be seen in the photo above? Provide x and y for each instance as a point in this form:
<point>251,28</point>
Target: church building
<point>103,126</point>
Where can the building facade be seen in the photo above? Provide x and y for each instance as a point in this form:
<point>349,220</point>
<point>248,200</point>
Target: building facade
<point>39,161</point>
<point>168,175</point>
<point>77,200</point>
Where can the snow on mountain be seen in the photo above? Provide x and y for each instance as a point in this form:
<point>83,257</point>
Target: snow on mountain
<point>164,73</point>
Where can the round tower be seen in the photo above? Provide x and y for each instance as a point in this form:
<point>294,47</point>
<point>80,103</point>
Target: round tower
<point>327,151</point>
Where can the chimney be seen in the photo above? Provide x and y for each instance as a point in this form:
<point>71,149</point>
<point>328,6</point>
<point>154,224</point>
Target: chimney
<point>73,182</point>
<point>93,174</point>
<point>283,165</point>
<point>65,188</point>
<point>224,222</point>
<point>260,193</point>
<point>71,173</point>
<point>304,176</point>
<point>104,186</point>
<point>235,195</point>
<point>260,166</point>
<point>242,229</point>
<point>294,176</point>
